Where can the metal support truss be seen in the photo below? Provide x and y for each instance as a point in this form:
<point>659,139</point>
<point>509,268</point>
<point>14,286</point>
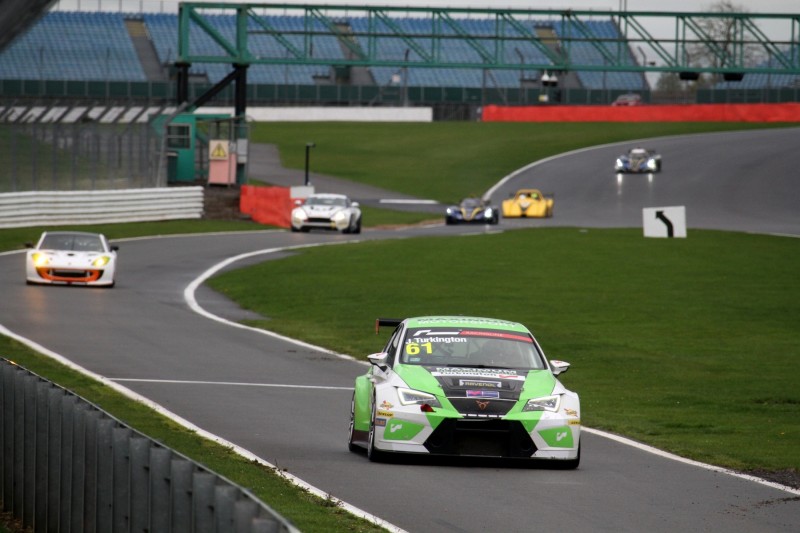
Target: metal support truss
<point>669,37</point>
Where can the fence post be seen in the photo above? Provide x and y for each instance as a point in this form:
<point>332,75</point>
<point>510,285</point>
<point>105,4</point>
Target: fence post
<point>140,485</point>
<point>181,476</point>
<point>105,475</point>
<point>54,444</point>
<point>42,456</point>
<point>203,502</point>
<point>78,480</point>
<point>160,467</point>
<point>68,405</point>
<point>122,476</point>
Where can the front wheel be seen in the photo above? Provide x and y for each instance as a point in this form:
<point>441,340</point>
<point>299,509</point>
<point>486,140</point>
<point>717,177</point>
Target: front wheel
<point>351,445</point>
<point>373,454</point>
<point>569,464</point>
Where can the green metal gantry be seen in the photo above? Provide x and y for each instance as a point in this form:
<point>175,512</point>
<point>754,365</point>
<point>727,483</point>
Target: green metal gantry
<point>730,44</point>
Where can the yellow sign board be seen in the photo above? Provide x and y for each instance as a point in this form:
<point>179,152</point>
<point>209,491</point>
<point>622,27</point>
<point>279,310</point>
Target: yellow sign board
<point>218,150</point>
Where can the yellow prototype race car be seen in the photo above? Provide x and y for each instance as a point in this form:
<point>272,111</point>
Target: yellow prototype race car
<point>528,203</point>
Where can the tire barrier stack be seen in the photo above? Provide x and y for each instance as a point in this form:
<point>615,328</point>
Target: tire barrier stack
<point>68,466</point>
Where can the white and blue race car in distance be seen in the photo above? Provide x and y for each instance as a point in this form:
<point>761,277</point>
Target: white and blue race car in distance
<point>465,386</point>
<point>638,160</point>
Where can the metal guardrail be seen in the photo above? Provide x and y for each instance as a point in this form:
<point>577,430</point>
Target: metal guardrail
<point>100,207</point>
<point>66,465</point>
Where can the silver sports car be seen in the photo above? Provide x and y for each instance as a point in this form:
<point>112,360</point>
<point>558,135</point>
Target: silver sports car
<point>327,211</point>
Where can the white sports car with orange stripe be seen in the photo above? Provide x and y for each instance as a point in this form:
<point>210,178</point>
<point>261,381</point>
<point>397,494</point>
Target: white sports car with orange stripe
<point>71,257</point>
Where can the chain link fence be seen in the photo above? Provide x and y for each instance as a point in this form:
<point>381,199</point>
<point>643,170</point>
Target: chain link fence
<point>79,156</point>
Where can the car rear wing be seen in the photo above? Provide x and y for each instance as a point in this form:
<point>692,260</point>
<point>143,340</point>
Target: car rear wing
<point>393,322</point>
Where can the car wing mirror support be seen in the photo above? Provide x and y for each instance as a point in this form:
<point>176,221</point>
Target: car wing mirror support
<point>379,359</point>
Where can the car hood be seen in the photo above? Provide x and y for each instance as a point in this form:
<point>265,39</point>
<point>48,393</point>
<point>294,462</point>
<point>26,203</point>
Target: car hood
<point>479,391</point>
<point>321,210</point>
<point>69,256</point>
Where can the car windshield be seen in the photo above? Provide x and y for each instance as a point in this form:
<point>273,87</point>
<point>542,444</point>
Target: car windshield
<point>333,201</point>
<point>73,242</point>
<point>471,348</point>
<point>470,203</point>
<point>529,194</point>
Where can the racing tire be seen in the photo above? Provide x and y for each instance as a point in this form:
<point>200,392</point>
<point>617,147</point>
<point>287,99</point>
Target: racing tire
<point>569,464</point>
<point>373,454</point>
<point>449,221</point>
<point>357,229</point>
<point>295,230</point>
<point>351,445</point>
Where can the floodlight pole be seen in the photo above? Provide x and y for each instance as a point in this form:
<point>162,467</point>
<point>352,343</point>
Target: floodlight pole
<point>309,146</point>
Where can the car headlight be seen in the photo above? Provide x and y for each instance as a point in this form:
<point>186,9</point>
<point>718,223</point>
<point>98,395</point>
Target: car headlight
<point>651,164</point>
<point>101,261</point>
<point>488,212</point>
<point>415,397</point>
<point>619,163</point>
<point>39,259</point>
<point>299,214</point>
<point>339,216</point>
<point>545,403</point>
<point>449,210</point>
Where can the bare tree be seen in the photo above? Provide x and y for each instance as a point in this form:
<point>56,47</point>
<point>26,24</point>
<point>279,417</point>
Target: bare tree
<point>721,42</point>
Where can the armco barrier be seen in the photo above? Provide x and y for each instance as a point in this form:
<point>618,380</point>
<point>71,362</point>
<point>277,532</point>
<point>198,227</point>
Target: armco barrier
<point>24,209</point>
<point>66,465</point>
<point>789,112</point>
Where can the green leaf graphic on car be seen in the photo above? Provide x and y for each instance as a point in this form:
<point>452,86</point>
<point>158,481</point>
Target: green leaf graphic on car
<point>557,437</point>
<point>401,430</point>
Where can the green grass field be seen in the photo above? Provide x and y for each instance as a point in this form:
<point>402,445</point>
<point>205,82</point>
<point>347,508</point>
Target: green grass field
<point>690,345</point>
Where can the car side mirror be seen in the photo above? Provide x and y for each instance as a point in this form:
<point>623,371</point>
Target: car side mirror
<point>354,204</point>
<point>379,359</point>
<point>28,245</point>
<point>558,367</point>
<point>114,248</point>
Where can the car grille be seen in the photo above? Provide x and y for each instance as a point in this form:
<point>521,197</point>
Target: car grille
<point>77,274</point>
<point>482,407</point>
<point>485,438</point>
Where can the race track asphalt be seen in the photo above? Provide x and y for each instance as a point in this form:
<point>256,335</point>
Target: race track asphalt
<point>289,403</point>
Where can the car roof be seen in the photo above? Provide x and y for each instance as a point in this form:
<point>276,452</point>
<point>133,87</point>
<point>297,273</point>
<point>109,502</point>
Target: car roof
<point>458,321</point>
<point>327,195</point>
<point>82,233</point>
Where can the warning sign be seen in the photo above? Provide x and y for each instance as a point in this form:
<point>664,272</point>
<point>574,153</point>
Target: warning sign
<point>218,150</point>
<point>664,221</point>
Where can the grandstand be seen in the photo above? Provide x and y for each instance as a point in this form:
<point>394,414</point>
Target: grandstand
<point>140,47</point>
<point>418,60</point>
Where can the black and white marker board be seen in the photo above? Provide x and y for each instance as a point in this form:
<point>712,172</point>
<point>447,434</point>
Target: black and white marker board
<point>664,221</point>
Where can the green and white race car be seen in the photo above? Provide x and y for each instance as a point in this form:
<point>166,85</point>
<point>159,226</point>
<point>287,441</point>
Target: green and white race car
<point>464,386</point>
